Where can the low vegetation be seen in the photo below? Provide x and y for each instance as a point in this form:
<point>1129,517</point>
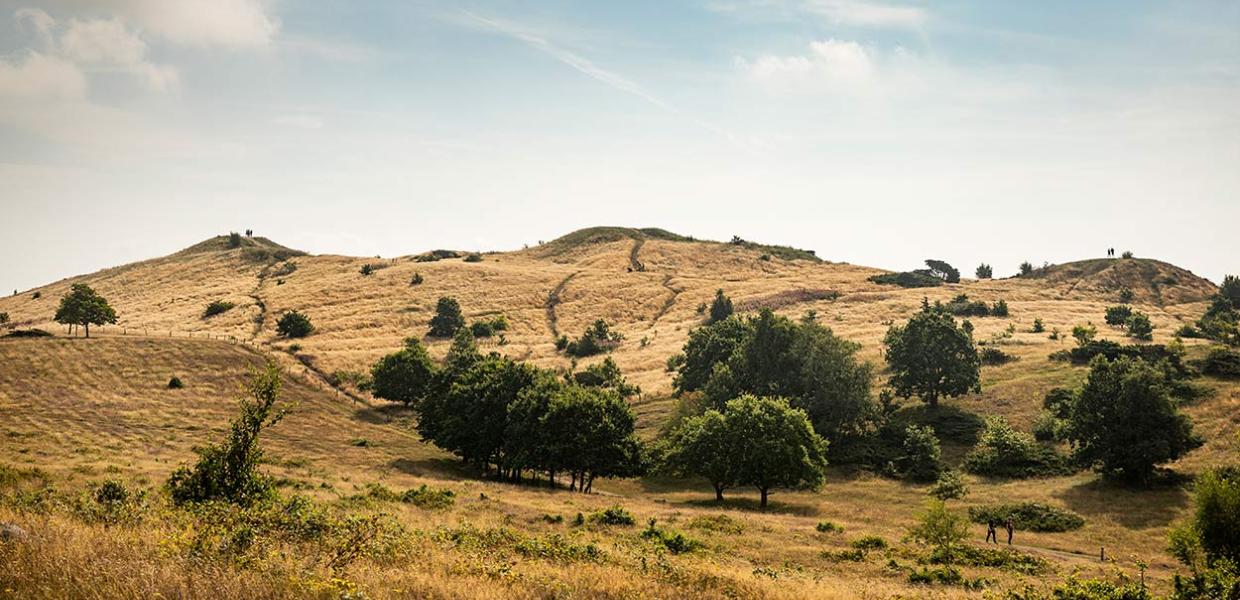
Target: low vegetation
<point>1028,516</point>
<point>294,324</point>
<point>217,307</point>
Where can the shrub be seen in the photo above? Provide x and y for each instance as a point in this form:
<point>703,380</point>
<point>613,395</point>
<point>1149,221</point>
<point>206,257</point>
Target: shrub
<point>1188,331</point>
<point>1117,316</point>
<point>674,541</point>
<point>1028,516</point>
<point>1222,362</point>
<point>1139,326</point>
<point>984,271</point>
<point>1000,308</point>
<point>1047,427</point>
<point>217,307</point>
<point>828,527</point>
<point>417,279</point>
<point>869,542</point>
<point>429,498</point>
<point>489,327</point>
<point>294,324</point>
<point>1127,254</point>
<point>598,338</point>
<point>561,343</point>
<point>447,319</point>
<point>406,376</point>
<point>950,486</point>
<point>234,240</point>
<point>920,461</point>
<point>228,471</point>
<point>961,306</point>
<point>907,280</point>
<point>367,269</point>
<point>1026,269</point>
<point>720,307</point>
<point>175,383</point>
<point>939,527</point>
<point>837,556</point>
<point>1005,452</point>
<point>473,257</point>
<point>1084,334</point>
<point>1038,327</point>
<point>1126,296</point>
<point>613,515</point>
<point>991,356</point>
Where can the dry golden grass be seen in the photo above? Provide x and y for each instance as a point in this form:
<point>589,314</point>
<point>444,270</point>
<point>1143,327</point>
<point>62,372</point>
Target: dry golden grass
<point>88,409</point>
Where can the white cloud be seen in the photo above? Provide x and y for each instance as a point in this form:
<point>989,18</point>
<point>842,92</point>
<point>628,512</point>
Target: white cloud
<point>37,76</point>
<point>850,12</point>
<point>38,21</point>
<point>206,22</point>
<point>854,13</point>
<point>829,61</point>
<point>105,41</point>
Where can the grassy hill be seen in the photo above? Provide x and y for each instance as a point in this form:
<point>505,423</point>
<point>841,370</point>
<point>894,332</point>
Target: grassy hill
<point>79,411</point>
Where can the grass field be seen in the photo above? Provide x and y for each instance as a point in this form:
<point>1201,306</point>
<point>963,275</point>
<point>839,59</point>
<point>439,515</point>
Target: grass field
<point>79,411</point>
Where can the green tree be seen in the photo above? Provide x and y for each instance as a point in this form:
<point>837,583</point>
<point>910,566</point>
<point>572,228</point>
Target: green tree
<point>702,446</point>
<point>939,527</point>
<point>773,445</point>
<point>407,376</point>
<point>943,271</point>
<point>591,434</point>
<point>1139,326</point>
<point>606,375</point>
<point>984,271</point>
<point>930,357</point>
<point>228,471</point>
<point>1026,269</point>
<point>922,456</point>
<point>294,324</point>
<point>82,306</point>
<point>1117,316</point>
<point>462,355</point>
<point>447,319</point>
<point>707,347</point>
<point>720,307</point>
<point>1124,421</point>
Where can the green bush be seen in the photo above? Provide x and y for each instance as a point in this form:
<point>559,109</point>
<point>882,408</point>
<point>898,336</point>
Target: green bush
<point>720,307</point>
<point>673,541</point>
<point>598,338</point>
<point>217,307</point>
<point>718,524</point>
<point>294,324</point>
<point>984,271</point>
<point>939,527</point>
<point>1026,269</point>
<point>1222,362</point>
<point>367,269</point>
<point>1005,452</point>
<point>447,319</point>
<point>473,257</point>
<point>1139,326</point>
<point>828,527</point>
<point>417,279</point>
<point>921,458</point>
<point>234,240</point>
<point>991,356</point>
<point>837,556</point>
<point>228,471</point>
<point>1028,516</point>
<point>907,280</point>
<point>950,486</point>
<point>489,327</point>
<point>869,542</point>
<point>175,383</point>
<point>1117,316</point>
<point>1038,327</point>
<point>429,498</point>
<point>1000,308</point>
<point>613,515</point>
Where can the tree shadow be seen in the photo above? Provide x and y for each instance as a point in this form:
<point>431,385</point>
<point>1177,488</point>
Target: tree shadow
<point>753,505</point>
<point>1132,507</point>
<point>382,415</point>
<point>443,468</point>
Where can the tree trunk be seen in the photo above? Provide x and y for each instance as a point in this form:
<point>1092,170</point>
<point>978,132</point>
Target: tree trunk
<point>933,401</point>
<point>764,491</point>
<point>88,331</point>
<point>718,493</point>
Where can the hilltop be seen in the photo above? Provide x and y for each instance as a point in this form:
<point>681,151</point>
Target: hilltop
<point>1151,281</point>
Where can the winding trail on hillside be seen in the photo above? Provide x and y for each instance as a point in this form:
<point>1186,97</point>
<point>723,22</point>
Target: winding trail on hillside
<point>553,299</point>
<point>261,320</point>
<point>635,264</point>
<point>671,300</point>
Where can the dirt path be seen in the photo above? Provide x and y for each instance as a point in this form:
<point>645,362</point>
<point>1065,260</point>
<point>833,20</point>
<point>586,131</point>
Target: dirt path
<point>635,264</point>
<point>671,300</point>
<point>553,299</point>
<point>261,320</point>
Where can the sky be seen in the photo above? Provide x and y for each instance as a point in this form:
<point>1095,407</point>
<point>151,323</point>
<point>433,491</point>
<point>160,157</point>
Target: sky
<point>873,133</point>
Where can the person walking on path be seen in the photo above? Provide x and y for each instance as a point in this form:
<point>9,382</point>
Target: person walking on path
<point>1010,528</point>
<point>991,534</point>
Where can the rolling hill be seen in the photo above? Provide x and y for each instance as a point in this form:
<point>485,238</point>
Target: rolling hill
<point>79,410</point>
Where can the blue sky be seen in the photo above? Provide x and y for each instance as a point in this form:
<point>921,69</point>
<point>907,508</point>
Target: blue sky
<point>875,133</point>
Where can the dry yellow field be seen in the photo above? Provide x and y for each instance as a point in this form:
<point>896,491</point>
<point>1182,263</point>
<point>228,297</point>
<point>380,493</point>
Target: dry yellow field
<point>82,410</point>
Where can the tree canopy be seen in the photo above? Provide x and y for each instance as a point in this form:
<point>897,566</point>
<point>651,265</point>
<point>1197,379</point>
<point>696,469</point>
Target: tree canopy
<point>720,307</point>
<point>406,376</point>
<point>931,357</point>
<point>1124,422</point>
<point>447,319</point>
<point>83,306</point>
<point>762,442</point>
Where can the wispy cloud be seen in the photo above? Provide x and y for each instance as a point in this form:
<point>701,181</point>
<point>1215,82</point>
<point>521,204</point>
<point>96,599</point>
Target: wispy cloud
<point>856,13</point>
<point>587,67</point>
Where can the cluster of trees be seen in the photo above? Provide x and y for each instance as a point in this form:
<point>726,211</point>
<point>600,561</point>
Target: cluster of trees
<point>1221,321</point>
<point>597,339</point>
<point>82,306</point>
<point>515,419</point>
<point>1136,323</point>
<point>961,306</point>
